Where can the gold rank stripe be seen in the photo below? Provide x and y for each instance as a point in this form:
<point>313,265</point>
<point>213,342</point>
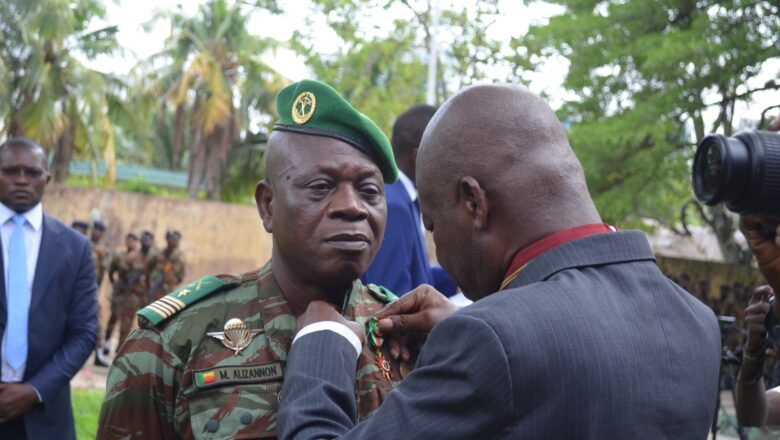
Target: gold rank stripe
<point>173,302</point>
<point>159,310</point>
<point>167,306</point>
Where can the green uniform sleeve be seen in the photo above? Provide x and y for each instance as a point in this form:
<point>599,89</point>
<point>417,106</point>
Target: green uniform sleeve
<point>141,390</point>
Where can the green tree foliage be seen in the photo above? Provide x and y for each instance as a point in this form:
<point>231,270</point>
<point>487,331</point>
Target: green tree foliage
<point>211,84</point>
<point>644,78</point>
<point>382,70</point>
<point>46,92</point>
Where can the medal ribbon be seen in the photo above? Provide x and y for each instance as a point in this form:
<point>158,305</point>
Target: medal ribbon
<point>527,254</point>
<point>375,341</point>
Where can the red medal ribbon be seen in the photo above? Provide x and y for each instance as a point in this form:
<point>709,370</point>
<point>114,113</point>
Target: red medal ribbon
<point>537,248</point>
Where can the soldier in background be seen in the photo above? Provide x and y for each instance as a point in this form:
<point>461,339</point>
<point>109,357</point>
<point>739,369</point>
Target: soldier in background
<point>148,252</point>
<point>100,257</point>
<point>123,304</point>
<point>80,226</point>
<point>207,360</point>
<point>166,268</point>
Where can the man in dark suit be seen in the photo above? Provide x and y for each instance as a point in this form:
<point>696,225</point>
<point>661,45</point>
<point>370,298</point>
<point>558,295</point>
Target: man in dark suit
<point>402,261</point>
<point>48,307</point>
<point>574,333</point>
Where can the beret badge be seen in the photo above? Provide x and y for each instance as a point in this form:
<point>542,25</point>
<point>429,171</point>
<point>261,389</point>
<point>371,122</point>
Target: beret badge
<point>303,107</point>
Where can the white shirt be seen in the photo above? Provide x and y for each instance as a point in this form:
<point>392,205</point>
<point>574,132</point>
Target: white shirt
<point>33,231</point>
<point>335,327</point>
<point>408,185</point>
<point>412,191</point>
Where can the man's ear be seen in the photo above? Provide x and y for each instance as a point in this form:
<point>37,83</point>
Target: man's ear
<point>474,201</point>
<point>264,197</point>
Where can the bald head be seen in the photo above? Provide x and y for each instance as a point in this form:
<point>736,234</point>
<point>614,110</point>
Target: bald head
<point>511,141</point>
<point>502,146</point>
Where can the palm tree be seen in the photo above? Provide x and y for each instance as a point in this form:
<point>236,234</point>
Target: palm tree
<point>47,93</point>
<point>215,85</point>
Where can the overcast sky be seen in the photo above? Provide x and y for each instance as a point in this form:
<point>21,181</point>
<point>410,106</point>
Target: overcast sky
<point>138,44</point>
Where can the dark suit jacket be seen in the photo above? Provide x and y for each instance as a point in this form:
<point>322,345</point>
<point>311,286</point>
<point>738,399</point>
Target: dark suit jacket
<point>62,326</point>
<point>591,341</point>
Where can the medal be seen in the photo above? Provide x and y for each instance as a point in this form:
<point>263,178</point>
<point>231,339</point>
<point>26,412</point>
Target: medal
<point>375,341</point>
<point>235,336</point>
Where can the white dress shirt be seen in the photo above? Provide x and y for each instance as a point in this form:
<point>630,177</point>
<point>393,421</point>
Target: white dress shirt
<point>33,231</point>
<point>335,327</point>
<point>412,191</point>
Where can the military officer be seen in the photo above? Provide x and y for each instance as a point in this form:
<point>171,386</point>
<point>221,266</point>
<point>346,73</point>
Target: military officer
<point>207,360</point>
<point>166,268</point>
<point>100,257</point>
<point>123,303</point>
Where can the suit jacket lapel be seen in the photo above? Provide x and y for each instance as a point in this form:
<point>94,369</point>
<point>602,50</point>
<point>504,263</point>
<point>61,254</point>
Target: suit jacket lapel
<point>599,249</point>
<point>48,255</point>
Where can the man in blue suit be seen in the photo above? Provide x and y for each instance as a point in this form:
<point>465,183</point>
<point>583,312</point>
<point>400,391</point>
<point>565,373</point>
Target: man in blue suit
<point>48,307</point>
<point>402,261</point>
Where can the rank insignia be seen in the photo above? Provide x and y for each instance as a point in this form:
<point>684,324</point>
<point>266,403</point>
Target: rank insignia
<point>235,336</point>
<point>303,107</point>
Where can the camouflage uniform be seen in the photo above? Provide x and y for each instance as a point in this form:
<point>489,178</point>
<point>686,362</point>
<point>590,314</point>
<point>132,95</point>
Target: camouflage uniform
<point>166,271</point>
<point>100,257</point>
<point>130,292</point>
<point>171,380</point>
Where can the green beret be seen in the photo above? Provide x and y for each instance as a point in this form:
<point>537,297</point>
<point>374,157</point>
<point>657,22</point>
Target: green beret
<point>315,108</point>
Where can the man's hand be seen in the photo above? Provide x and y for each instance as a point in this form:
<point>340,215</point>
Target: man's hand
<point>758,230</point>
<point>412,317</point>
<point>15,400</point>
<point>754,319</point>
<point>319,311</point>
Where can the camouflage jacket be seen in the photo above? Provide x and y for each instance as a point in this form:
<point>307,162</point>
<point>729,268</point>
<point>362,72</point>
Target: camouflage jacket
<point>172,380</point>
<point>117,270</point>
<point>135,269</point>
<point>100,257</point>
<point>166,271</point>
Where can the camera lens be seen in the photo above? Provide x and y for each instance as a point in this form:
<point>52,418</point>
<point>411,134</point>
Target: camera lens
<point>712,172</point>
<point>741,171</point>
<point>720,169</point>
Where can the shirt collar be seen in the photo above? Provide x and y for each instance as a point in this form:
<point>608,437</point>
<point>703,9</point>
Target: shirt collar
<point>522,258</point>
<point>34,216</point>
<point>408,185</point>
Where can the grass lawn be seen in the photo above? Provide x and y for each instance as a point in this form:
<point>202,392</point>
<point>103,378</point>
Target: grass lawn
<point>86,408</point>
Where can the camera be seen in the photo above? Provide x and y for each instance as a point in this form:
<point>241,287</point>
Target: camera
<point>741,171</point>
<point>726,325</point>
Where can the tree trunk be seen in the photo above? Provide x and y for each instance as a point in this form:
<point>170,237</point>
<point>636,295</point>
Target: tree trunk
<point>63,152</point>
<point>221,141</point>
<point>198,150</point>
<point>722,223</point>
<point>177,144</point>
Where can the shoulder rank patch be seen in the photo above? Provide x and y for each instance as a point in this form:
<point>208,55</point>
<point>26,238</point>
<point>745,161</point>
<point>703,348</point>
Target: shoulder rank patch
<point>382,293</point>
<point>179,299</point>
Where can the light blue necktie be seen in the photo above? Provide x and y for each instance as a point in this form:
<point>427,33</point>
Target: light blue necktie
<point>18,297</point>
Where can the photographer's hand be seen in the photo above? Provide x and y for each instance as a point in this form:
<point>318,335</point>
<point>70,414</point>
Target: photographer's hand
<point>751,396</point>
<point>758,232</point>
<point>754,320</point>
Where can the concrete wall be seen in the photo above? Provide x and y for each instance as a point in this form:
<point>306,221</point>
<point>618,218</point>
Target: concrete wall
<point>216,237</point>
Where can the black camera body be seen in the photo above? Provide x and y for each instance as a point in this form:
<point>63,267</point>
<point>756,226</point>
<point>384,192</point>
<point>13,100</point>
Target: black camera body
<point>741,171</point>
